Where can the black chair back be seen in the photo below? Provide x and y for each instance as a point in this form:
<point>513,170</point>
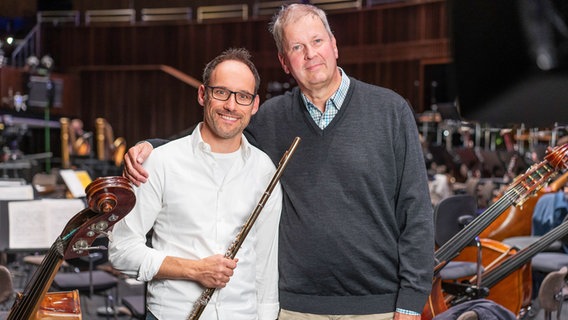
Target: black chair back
<point>451,214</point>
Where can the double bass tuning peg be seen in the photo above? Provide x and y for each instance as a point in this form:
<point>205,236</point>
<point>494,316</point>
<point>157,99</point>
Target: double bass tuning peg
<point>82,246</point>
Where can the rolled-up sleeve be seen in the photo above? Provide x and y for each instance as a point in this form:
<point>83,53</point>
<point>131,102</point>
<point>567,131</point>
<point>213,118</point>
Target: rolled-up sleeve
<point>128,249</point>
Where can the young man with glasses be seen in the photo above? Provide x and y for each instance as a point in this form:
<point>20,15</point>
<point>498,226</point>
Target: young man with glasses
<point>202,189</point>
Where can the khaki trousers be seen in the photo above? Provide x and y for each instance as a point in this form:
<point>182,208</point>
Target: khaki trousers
<point>291,315</point>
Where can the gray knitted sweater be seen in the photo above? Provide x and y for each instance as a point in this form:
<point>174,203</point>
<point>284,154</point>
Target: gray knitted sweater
<point>356,232</point>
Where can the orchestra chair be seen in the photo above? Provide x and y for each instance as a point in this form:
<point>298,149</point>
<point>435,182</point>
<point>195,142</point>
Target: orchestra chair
<point>546,262</point>
<point>549,260</point>
<point>32,262</point>
<point>552,292</point>
<point>136,305</point>
<point>6,289</point>
<point>92,281</point>
<point>451,215</point>
<point>552,259</point>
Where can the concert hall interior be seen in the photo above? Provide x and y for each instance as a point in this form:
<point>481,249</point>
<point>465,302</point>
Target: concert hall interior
<point>83,81</point>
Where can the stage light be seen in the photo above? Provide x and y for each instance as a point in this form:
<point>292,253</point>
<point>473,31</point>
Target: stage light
<point>32,62</point>
<point>47,62</point>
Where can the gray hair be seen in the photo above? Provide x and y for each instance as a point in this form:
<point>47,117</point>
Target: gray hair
<point>236,54</point>
<point>289,14</point>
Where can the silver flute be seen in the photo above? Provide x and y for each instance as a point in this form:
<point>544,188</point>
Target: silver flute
<point>231,252</point>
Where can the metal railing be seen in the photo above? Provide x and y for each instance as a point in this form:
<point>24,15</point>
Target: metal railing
<point>29,46</point>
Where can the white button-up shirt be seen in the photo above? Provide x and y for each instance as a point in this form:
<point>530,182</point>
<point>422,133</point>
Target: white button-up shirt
<point>194,215</point>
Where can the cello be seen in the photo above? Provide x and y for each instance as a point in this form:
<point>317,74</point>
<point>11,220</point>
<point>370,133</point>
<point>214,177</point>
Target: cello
<point>517,193</point>
<point>109,200</point>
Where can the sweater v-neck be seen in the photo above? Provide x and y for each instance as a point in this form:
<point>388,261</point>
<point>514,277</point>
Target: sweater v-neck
<point>336,119</point>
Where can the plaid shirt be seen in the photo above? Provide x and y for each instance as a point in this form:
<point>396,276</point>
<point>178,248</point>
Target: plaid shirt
<point>332,105</point>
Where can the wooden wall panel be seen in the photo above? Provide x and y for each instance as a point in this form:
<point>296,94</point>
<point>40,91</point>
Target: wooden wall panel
<point>384,45</point>
<point>18,8</point>
<point>135,104</point>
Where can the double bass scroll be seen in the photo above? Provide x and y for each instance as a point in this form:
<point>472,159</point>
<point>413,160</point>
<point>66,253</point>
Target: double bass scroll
<point>110,199</point>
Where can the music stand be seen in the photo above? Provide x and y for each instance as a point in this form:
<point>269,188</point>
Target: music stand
<point>60,211</point>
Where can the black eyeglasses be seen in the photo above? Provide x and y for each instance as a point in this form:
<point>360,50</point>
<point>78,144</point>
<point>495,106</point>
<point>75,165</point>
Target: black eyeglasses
<point>223,94</point>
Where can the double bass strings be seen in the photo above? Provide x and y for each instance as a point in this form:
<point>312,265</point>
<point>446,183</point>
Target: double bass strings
<point>34,290</point>
<point>517,192</point>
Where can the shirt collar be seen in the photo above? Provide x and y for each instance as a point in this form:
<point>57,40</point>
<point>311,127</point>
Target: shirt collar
<point>200,145</point>
<point>338,96</point>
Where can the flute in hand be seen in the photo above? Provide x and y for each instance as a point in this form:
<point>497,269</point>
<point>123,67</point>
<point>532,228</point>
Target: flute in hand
<point>205,296</point>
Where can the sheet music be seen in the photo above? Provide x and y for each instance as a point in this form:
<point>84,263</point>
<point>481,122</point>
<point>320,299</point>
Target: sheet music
<point>12,182</point>
<point>37,224</point>
<point>76,181</point>
<point>15,192</point>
